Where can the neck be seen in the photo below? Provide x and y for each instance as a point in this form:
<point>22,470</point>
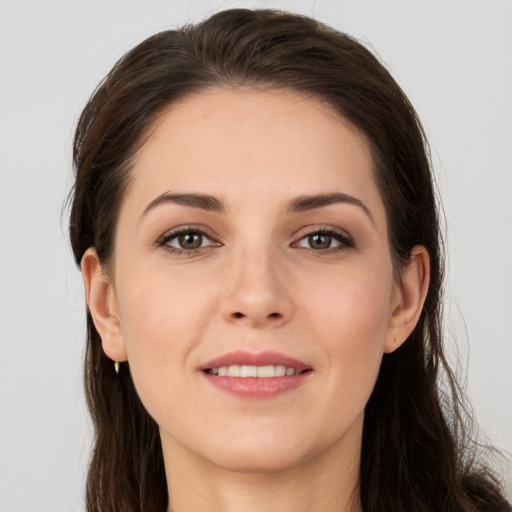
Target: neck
<point>328,482</point>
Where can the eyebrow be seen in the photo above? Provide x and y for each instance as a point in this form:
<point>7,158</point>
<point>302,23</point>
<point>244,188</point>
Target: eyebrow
<point>202,201</point>
<point>305,203</point>
<point>297,205</point>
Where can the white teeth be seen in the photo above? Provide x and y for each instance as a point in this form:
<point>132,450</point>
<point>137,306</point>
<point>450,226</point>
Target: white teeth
<point>280,371</point>
<point>233,371</point>
<point>267,371</point>
<point>248,371</point>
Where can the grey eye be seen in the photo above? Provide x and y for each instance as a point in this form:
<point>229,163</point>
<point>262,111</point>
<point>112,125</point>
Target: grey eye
<point>319,241</point>
<point>189,240</point>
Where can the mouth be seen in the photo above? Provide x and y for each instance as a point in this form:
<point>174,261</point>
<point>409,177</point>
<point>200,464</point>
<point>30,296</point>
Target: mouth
<point>262,372</point>
<point>256,376</point>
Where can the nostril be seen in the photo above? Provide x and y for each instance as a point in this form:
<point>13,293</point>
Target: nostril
<point>237,314</point>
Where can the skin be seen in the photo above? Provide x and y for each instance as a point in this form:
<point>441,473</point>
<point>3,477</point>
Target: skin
<point>257,284</point>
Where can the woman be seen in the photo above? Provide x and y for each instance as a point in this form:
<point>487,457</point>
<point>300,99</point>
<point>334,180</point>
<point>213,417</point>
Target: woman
<point>256,225</point>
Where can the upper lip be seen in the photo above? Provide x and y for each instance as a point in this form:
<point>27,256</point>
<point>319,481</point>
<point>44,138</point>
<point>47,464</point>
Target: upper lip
<point>266,358</point>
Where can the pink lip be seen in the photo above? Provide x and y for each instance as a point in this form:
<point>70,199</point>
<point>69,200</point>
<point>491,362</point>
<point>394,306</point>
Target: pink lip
<point>266,358</point>
<point>255,387</point>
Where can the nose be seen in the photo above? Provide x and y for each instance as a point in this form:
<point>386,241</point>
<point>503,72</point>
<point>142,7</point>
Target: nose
<point>256,291</point>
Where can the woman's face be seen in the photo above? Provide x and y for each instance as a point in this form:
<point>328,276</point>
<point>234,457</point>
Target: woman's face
<point>253,235</point>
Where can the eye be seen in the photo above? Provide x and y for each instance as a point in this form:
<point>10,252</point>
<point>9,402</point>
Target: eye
<point>186,240</point>
<point>317,241</point>
<point>325,239</point>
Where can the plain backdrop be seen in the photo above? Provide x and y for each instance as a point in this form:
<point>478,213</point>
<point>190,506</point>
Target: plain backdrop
<point>452,58</point>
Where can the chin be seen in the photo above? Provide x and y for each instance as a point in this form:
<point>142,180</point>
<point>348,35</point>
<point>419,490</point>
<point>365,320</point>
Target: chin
<point>257,459</point>
<point>262,451</point>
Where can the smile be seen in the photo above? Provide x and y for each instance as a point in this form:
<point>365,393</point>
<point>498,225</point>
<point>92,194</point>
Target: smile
<point>258,376</point>
<point>244,371</point>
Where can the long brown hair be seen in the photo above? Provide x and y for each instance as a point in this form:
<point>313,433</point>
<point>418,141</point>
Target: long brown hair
<point>414,452</point>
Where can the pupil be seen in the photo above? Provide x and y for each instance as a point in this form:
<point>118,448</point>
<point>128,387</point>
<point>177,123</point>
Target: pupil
<point>320,241</point>
<point>190,240</point>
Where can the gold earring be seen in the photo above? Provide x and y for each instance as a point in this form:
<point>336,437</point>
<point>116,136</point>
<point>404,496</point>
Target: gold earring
<point>116,367</point>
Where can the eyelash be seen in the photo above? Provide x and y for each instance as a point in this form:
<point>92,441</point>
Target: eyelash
<point>345,241</point>
<point>164,241</point>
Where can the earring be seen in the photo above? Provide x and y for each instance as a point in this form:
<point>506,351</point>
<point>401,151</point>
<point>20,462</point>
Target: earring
<point>116,367</point>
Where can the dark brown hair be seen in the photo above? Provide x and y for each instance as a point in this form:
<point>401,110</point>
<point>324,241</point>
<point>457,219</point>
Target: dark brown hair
<point>414,452</point>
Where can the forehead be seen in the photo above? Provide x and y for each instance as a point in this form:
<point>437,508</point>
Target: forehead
<point>243,142</point>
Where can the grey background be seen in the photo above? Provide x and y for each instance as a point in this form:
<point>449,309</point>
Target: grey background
<point>453,59</point>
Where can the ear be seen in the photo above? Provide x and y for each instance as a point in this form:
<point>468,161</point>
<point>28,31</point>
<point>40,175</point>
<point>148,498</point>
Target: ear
<point>102,303</point>
<point>412,291</point>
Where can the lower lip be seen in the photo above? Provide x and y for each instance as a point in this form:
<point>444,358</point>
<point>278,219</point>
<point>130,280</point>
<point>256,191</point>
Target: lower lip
<point>256,387</point>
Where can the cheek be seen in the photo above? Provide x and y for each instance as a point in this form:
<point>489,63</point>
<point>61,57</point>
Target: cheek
<point>158,307</point>
<point>162,322</point>
<point>353,304</point>
<point>349,316</point>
